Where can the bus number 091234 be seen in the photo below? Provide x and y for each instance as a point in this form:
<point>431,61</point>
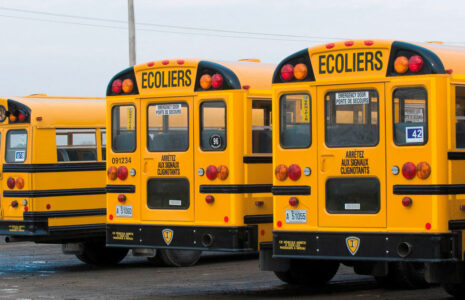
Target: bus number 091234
<point>121,160</point>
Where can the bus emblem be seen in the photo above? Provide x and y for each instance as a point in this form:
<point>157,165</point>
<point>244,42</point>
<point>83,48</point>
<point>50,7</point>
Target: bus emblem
<point>353,243</point>
<point>167,236</point>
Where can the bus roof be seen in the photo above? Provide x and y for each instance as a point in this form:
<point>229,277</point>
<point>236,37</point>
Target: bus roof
<point>183,75</point>
<point>64,112</point>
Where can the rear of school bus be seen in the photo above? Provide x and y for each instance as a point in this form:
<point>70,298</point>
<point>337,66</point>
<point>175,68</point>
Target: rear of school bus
<point>189,167</point>
<point>53,174</point>
<point>367,167</point>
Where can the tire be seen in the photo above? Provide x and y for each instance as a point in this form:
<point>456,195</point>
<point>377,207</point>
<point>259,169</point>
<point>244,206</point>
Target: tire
<point>309,272</point>
<point>96,253</point>
<point>404,275</point>
<point>179,258</point>
<point>156,260</point>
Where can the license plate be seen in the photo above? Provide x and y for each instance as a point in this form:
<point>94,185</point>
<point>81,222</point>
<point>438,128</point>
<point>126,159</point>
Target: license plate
<point>124,210</point>
<point>296,216</point>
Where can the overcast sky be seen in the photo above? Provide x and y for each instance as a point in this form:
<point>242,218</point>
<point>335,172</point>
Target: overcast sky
<point>44,51</point>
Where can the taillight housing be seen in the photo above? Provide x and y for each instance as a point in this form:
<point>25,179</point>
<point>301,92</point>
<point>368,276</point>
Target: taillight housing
<point>117,86</point>
<point>212,172</point>
<point>415,63</point>
<point>294,172</point>
<point>112,173</point>
<point>223,172</point>
<point>281,172</point>
<point>217,81</point>
<point>409,170</point>
<point>122,173</point>
<point>10,183</point>
<point>19,183</point>
<point>423,170</point>
<point>287,72</point>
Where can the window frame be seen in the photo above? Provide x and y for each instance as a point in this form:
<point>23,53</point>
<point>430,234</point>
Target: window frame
<point>7,145</point>
<point>135,128</point>
<point>78,131</point>
<point>281,117</point>
<point>201,105</point>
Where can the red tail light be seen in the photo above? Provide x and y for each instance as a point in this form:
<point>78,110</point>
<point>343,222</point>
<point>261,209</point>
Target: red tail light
<point>217,81</point>
<point>415,63</point>
<point>122,173</point>
<point>212,172</point>
<point>407,201</point>
<point>121,198</point>
<point>19,183</point>
<point>209,199</point>
<point>14,203</point>
<point>293,201</point>
<point>409,170</point>
<point>22,117</point>
<point>294,172</point>
<point>112,173</point>
<point>11,183</point>
<point>116,86</point>
<point>287,72</point>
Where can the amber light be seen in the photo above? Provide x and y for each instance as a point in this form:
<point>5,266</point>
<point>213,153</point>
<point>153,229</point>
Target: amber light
<point>116,86</point>
<point>12,118</point>
<point>206,81</point>
<point>19,183</point>
<point>122,173</point>
<point>128,85</point>
<point>294,172</point>
<point>401,64</point>
<point>300,71</point>
<point>112,173</point>
<point>212,172</point>
<point>423,170</point>
<point>281,172</point>
<point>409,170</point>
<point>10,183</point>
<point>287,72</point>
<point>223,172</point>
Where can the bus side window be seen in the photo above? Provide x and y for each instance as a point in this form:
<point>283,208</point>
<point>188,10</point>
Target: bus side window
<point>123,128</point>
<point>261,126</point>
<point>76,145</point>
<point>460,116</point>
<point>103,133</point>
<point>213,126</point>
<point>410,116</point>
<point>16,146</point>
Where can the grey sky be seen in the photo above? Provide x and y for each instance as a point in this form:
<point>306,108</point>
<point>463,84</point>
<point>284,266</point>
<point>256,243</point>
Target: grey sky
<point>39,56</point>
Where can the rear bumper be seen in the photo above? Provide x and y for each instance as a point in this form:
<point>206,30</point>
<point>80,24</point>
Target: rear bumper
<point>234,239</point>
<point>24,228</point>
<point>442,247</point>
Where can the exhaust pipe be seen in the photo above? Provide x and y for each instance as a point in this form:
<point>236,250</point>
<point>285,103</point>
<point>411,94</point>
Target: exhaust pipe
<point>404,249</point>
<point>207,240</point>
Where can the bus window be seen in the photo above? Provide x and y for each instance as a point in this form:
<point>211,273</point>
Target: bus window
<point>104,144</point>
<point>168,193</point>
<point>76,145</point>
<point>123,128</point>
<point>460,116</point>
<point>213,126</point>
<point>261,126</point>
<point>295,124</point>
<point>410,122</point>
<point>351,118</point>
<point>168,128</point>
<point>16,146</point>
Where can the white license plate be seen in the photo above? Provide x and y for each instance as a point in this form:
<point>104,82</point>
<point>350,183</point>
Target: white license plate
<point>296,216</point>
<point>124,210</point>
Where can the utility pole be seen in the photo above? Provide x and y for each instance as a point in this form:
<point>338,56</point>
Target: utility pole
<point>132,33</point>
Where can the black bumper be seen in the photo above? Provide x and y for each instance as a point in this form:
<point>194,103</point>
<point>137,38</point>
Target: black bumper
<point>235,239</point>
<point>371,246</point>
<point>24,228</point>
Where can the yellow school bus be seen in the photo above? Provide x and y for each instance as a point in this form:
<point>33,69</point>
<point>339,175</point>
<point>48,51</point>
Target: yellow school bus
<point>368,154</point>
<point>52,151</point>
<point>189,164</point>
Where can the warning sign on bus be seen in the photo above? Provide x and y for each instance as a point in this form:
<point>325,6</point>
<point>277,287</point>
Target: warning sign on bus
<point>350,98</point>
<point>305,109</point>
<point>167,109</point>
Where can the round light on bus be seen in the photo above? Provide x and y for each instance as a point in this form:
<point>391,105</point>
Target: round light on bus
<point>205,81</point>
<point>409,170</point>
<point>121,198</point>
<point>294,172</point>
<point>10,183</point>
<point>293,201</point>
<point>22,116</point>
<point>112,173</point>
<point>14,203</point>
<point>423,170</point>
<point>407,201</point>
<point>209,199</point>
<point>132,172</point>
<point>307,171</point>
<point>12,118</point>
<point>212,172</point>
<point>223,172</point>
<point>401,64</point>
<point>122,173</point>
<point>281,172</point>
<point>300,71</point>
<point>415,63</point>
<point>19,183</point>
<point>116,86</point>
<point>128,85</point>
<point>200,172</point>
<point>217,81</point>
<point>287,72</point>
<point>395,170</point>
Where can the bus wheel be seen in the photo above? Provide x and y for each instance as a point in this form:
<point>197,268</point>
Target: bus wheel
<point>309,272</point>
<point>179,258</point>
<point>96,253</point>
<point>156,260</point>
<point>404,275</point>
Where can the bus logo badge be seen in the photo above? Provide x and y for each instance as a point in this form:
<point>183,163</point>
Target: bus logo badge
<point>353,243</point>
<point>167,236</point>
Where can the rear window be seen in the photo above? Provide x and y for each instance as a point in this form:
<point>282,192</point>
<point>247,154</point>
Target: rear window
<point>16,146</point>
<point>213,126</point>
<point>168,127</point>
<point>123,128</point>
<point>351,118</point>
<point>168,193</point>
<point>352,196</point>
<point>295,114</point>
<point>76,145</point>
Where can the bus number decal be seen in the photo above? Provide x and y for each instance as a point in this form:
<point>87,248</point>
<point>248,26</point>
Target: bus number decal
<point>121,160</point>
<point>414,134</point>
<point>168,165</point>
<point>355,162</point>
<point>166,79</point>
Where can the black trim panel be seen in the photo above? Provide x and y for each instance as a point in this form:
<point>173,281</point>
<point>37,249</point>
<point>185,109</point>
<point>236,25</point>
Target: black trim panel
<point>455,155</point>
<point>64,167</point>
<point>439,247</point>
<point>279,190</point>
<point>429,189</point>
<point>54,193</point>
<point>456,224</point>
<point>258,219</point>
<point>301,56</point>
<point>120,188</point>
<point>258,159</point>
<point>85,227</point>
<point>236,188</point>
<point>32,215</point>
